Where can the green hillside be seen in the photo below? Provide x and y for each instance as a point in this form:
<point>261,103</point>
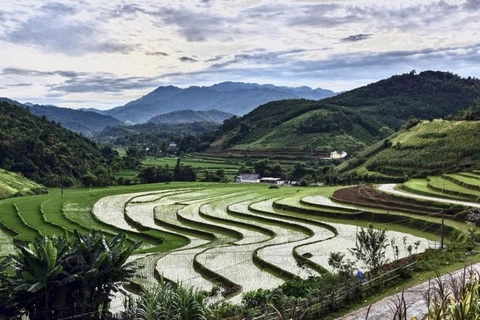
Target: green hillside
<point>13,184</point>
<point>351,120</point>
<point>426,148</point>
<point>318,130</point>
<point>45,152</point>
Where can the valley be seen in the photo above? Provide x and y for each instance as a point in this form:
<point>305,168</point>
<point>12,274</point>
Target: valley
<point>337,170</point>
<point>239,160</point>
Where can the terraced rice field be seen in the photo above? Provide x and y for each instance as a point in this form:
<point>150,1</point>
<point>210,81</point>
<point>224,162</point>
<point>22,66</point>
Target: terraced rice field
<point>233,236</point>
<point>462,186</point>
<point>237,237</point>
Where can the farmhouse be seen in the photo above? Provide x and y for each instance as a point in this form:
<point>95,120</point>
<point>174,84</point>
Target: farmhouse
<point>255,178</point>
<point>248,178</point>
<point>337,155</point>
<point>270,180</point>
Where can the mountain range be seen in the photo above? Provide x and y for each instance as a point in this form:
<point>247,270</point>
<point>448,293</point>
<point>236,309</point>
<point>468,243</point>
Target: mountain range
<point>84,122</point>
<point>349,121</point>
<point>47,153</point>
<point>216,103</point>
<point>232,97</point>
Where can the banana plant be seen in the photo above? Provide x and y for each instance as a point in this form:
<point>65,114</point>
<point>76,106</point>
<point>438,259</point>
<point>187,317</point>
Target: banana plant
<point>61,277</point>
<point>38,275</point>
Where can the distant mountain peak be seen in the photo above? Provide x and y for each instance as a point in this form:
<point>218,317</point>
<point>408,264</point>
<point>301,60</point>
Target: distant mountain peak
<point>231,97</point>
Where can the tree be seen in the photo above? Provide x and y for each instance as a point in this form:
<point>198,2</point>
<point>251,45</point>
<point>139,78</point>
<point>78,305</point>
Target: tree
<point>59,277</point>
<point>343,267</point>
<point>370,248</point>
<point>89,180</point>
<point>183,173</point>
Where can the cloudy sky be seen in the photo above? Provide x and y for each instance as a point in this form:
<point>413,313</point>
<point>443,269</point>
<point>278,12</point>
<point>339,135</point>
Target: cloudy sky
<point>89,53</point>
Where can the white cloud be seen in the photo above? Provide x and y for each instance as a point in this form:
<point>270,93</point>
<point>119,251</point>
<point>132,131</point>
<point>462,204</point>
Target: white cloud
<point>108,54</point>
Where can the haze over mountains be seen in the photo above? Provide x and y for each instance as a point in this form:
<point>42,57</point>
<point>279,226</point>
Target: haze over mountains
<point>85,122</point>
<point>233,97</point>
<point>349,121</point>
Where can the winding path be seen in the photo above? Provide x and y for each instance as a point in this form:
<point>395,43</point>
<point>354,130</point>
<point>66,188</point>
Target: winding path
<point>414,298</point>
<point>390,188</point>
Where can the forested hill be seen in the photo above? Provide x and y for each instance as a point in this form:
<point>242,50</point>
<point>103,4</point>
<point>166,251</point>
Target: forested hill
<point>190,116</point>
<point>42,150</point>
<point>81,121</point>
<point>429,94</point>
<point>351,120</point>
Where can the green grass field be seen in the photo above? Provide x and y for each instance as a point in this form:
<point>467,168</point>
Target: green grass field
<point>14,184</point>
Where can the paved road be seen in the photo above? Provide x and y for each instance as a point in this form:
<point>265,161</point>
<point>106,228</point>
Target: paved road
<point>414,298</point>
<point>390,188</point>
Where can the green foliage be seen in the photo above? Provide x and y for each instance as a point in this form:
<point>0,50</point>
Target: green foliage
<point>180,172</point>
<point>449,298</point>
<point>370,248</point>
<point>290,294</point>
<point>183,173</point>
<point>189,137</point>
<point>155,174</point>
<point>267,168</point>
<point>215,176</point>
<point>168,301</point>
<point>45,152</point>
<point>343,267</point>
<point>58,277</point>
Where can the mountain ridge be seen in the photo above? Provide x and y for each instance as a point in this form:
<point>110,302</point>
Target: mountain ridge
<point>84,122</point>
<point>236,98</point>
<point>349,121</point>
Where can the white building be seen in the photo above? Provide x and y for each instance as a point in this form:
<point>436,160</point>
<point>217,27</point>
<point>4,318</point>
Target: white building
<point>270,180</point>
<point>248,178</point>
<point>337,155</point>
